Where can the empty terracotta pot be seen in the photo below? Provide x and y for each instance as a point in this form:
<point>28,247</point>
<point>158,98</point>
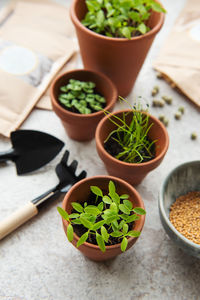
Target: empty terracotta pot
<point>80,193</point>
<point>81,127</point>
<point>119,58</point>
<point>133,173</point>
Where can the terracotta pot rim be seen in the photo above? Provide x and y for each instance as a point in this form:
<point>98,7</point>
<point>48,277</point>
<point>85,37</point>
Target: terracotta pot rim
<point>123,182</point>
<point>139,165</point>
<point>83,116</point>
<point>76,22</point>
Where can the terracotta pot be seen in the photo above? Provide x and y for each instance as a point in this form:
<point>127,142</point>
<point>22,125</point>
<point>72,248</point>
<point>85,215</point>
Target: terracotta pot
<point>80,193</point>
<point>81,127</point>
<point>119,58</point>
<point>131,172</point>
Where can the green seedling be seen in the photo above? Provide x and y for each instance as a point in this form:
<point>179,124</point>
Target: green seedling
<point>132,137</point>
<point>120,18</point>
<point>79,96</point>
<point>111,216</point>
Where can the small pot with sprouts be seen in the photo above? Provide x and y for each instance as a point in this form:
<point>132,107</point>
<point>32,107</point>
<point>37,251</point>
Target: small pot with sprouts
<point>131,143</point>
<point>102,216</point>
<point>78,98</point>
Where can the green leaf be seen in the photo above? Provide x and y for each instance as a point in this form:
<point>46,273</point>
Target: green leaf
<point>124,244</point>
<point>100,206</point>
<point>128,204</point>
<point>63,213</point>
<point>82,239</point>
<point>107,200</point>
<point>100,18</point>
<point>116,198</point>
<point>139,211</point>
<point>93,210</point>
<point>132,218</point>
<point>77,206</point>
<point>142,28</point>
<point>74,216</point>
<point>157,7</point>
<point>125,229</point>
<point>124,209</point>
<point>98,225</point>
<point>70,232</point>
<point>114,207</point>
<point>121,224</point>
<point>116,233</point>
<point>104,234</point>
<point>126,32</point>
<point>124,196</point>
<point>86,223</point>
<point>100,242</point>
<point>96,190</point>
<point>111,187</point>
<point>76,221</point>
<point>134,233</point>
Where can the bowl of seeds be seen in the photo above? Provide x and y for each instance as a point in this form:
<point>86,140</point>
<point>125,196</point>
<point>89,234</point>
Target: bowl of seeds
<point>179,206</point>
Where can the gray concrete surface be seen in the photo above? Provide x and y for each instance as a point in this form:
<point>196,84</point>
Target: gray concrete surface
<point>38,263</point>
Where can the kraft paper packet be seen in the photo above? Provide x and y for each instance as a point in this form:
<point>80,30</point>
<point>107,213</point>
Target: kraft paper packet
<point>33,47</point>
<point>179,60</point>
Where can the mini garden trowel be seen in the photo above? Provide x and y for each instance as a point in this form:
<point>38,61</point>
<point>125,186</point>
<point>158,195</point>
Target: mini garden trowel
<point>67,177</point>
<point>31,150</point>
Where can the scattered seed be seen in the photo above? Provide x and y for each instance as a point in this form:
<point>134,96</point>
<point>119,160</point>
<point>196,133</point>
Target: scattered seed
<point>167,99</point>
<point>161,118</point>
<point>166,122</point>
<point>159,75</point>
<point>193,136</point>
<point>181,109</point>
<point>158,103</point>
<point>184,215</point>
<point>177,116</point>
<point>155,90</point>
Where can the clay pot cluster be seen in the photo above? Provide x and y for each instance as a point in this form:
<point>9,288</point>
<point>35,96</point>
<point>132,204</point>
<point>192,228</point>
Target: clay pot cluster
<point>113,65</point>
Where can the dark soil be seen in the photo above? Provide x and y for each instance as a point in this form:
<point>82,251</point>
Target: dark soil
<point>80,229</point>
<point>113,148</point>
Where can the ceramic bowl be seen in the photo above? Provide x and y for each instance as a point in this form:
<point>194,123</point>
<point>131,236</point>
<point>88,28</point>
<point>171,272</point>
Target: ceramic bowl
<point>181,180</point>
<point>81,127</point>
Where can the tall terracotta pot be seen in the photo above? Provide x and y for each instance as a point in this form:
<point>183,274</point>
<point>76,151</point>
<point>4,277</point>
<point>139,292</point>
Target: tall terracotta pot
<point>133,173</point>
<point>119,58</point>
<point>80,193</point>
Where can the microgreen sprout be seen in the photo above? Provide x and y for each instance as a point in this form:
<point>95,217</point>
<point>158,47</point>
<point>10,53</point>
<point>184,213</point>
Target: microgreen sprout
<point>132,137</point>
<point>111,217</point>
<point>120,18</point>
<point>79,96</point>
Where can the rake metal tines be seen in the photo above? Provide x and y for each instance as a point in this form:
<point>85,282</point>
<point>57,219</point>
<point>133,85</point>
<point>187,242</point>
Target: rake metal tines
<point>67,173</point>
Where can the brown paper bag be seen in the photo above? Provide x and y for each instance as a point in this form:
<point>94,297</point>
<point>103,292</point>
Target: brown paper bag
<point>179,60</point>
<point>33,48</point>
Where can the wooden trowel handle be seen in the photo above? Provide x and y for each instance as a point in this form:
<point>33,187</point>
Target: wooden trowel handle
<point>17,218</point>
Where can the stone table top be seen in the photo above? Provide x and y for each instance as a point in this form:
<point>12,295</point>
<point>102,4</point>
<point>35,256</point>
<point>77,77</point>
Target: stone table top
<point>38,263</point>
